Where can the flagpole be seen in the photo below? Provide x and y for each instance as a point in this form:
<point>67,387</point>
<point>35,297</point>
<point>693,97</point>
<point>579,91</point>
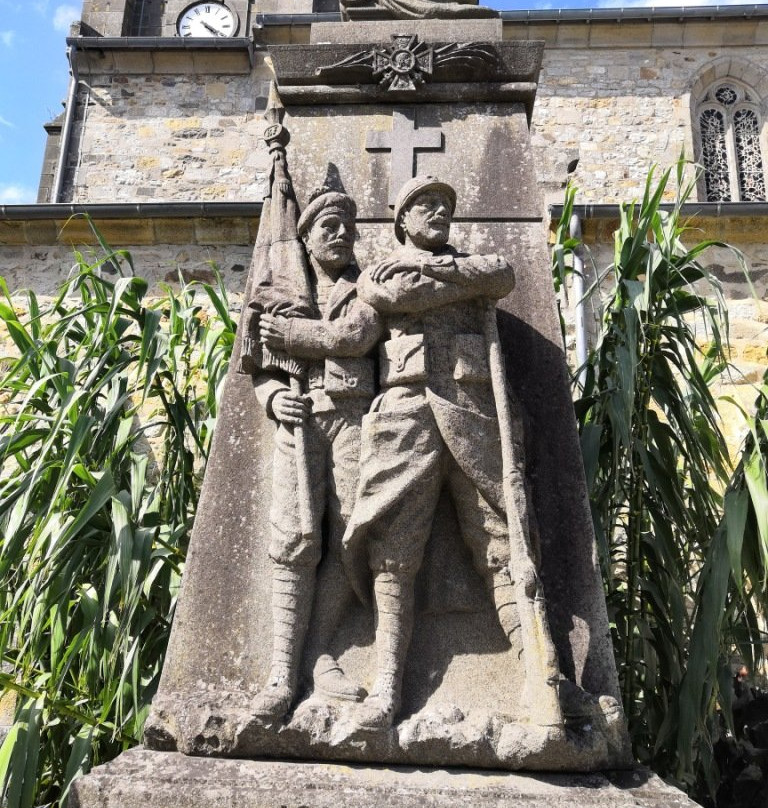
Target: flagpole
<point>282,254</point>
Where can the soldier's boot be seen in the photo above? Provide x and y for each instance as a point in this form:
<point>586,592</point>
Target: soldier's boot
<point>394,605</point>
<point>330,680</point>
<point>292,591</point>
<point>332,601</point>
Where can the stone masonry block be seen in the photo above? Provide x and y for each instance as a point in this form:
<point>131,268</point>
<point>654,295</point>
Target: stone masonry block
<point>174,231</point>
<point>94,62</point>
<point>221,62</point>
<point>181,62</point>
<point>667,33</point>
<point>542,31</point>
<point>722,68</point>
<point>761,33</point>
<point>74,231</point>
<point>122,231</point>
<point>11,233</point>
<point>703,34</point>
<point>742,33</point>
<point>156,780</point>
<point>572,35</point>
<point>222,231</point>
<point>40,232</point>
<point>633,34</point>
<point>133,62</point>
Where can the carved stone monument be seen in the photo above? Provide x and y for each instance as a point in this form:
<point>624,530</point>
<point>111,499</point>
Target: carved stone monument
<point>392,562</point>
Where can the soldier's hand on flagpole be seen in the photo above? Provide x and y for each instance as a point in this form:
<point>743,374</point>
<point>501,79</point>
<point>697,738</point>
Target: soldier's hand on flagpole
<point>273,331</point>
<point>290,408</point>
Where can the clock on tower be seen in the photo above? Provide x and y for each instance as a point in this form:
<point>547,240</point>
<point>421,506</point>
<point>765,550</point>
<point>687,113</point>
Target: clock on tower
<point>207,19</point>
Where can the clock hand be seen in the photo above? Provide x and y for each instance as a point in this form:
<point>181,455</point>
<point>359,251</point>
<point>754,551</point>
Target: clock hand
<point>213,30</point>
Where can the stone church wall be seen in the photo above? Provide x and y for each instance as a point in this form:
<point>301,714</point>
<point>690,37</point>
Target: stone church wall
<point>162,136</point>
<point>170,130</point>
<point>617,95</point>
<point>619,111</point>
<point>43,268</point>
<point>160,124</point>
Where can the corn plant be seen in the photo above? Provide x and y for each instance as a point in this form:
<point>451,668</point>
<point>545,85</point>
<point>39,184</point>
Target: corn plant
<point>656,464</point>
<point>729,606</point>
<point>106,415</point>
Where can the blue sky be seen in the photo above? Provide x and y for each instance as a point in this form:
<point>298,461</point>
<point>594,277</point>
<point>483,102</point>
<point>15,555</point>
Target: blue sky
<point>35,75</point>
<point>34,78</point>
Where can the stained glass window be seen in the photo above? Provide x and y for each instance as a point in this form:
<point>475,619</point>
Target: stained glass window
<point>729,131</point>
<point>746,130</point>
<point>714,156</point>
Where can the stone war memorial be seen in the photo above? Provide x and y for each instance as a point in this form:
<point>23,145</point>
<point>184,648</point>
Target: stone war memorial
<point>392,594</point>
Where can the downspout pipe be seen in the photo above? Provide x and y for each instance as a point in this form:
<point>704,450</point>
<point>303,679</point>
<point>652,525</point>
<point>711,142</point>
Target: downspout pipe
<point>66,132</point>
<point>578,293</point>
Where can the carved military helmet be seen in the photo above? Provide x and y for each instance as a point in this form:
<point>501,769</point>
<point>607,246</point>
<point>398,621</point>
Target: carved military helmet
<point>412,189</point>
<point>323,202</point>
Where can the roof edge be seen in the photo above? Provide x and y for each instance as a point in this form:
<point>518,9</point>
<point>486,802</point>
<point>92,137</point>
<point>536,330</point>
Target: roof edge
<point>699,210</point>
<point>129,210</point>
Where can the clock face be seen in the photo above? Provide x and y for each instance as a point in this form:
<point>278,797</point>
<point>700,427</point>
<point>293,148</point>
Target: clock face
<point>207,19</point>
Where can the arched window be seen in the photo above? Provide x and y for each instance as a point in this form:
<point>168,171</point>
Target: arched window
<point>730,128</point>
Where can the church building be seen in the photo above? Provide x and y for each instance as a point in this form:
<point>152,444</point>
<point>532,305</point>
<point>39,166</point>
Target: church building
<point>159,137</point>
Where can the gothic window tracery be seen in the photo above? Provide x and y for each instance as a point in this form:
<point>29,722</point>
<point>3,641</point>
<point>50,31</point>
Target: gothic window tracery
<point>730,127</point>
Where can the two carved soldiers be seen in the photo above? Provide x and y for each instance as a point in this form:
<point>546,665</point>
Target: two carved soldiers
<point>378,465</point>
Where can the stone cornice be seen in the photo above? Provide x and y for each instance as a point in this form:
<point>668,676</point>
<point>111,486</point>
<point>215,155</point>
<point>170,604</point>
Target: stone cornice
<point>213,223</point>
<point>698,210</point>
<point>142,54</point>
<point>675,26</point>
<point>738,223</point>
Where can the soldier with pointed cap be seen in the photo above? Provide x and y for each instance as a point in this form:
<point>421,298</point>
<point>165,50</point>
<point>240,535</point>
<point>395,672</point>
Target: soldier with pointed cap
<point>340,377</point>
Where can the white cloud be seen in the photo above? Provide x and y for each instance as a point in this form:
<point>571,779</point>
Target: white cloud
<point>17,195</point>
<point>7,37</point>
<point>6,122</point>
<point>64,16</point>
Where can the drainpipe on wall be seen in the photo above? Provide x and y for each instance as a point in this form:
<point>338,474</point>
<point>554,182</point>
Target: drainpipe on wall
<point>66,131</point>
<point>578,293</point>
<point>140,30</point>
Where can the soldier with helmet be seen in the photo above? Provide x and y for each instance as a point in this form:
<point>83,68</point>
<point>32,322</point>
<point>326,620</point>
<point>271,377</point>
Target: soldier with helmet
<point>434,424</point>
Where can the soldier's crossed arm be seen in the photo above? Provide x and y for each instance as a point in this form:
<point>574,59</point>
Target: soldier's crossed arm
<point>488,275</point>
<point>352,334</point>
<point>412,292</point>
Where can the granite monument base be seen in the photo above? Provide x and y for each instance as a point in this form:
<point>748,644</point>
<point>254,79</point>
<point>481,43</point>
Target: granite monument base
<point>144,779</point>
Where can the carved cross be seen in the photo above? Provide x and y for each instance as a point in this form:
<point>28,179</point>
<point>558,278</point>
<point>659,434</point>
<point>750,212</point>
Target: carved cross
<point>404,140</point>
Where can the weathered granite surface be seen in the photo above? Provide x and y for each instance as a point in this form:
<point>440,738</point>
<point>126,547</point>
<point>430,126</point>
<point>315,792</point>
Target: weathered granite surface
<point>143,779</point>
<point>472,693</point>
<point>483,156</point>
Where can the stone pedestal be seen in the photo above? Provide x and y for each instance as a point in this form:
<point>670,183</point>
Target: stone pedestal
<point>143,779</point>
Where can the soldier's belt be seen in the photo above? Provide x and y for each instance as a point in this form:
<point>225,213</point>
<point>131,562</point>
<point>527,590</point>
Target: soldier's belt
<point>409,359</point>
<point>344,377</point>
